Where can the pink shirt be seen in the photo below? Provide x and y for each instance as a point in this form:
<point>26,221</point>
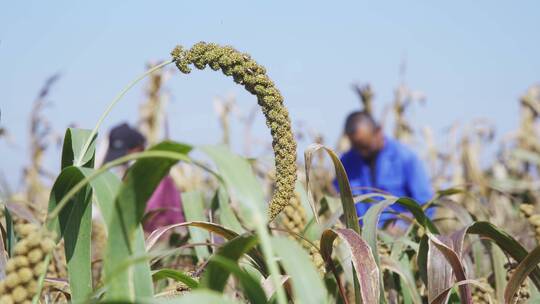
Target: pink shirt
<point>165,206</point>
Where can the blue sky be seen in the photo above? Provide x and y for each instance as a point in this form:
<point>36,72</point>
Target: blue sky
<point>470,58</point>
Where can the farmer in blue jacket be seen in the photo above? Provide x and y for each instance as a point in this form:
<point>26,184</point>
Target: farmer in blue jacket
<point>376,163</point>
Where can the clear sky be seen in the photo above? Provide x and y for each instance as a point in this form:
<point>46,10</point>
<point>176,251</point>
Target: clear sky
<point>470,58</point>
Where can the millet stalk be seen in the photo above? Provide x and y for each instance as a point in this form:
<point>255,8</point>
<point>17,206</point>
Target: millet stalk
<point>252,76</point>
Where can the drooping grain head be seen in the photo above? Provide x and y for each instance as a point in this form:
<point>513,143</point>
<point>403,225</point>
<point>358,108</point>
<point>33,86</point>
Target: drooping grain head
<point>252,76</point>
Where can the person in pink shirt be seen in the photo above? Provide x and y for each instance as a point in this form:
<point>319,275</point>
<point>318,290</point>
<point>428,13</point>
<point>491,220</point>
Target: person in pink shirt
<point>165,205</point>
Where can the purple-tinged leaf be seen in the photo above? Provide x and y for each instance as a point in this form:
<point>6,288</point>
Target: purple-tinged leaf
<point>442,252</point>
<point>520,274</point>
<point>442,298</point>
<point>364,263</point>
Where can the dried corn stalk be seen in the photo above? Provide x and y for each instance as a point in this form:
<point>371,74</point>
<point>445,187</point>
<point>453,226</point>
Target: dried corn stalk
<point>223,108</point>
<point>152,111</point>
<point>530,110</point>
<point>36,193</point>
<point>365,93</point>
<point>403,99</point>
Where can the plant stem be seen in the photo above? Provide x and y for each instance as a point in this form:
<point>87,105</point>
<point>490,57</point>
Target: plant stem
<point>41,280</point>
<point>266,245</point>
<point>78,161</point>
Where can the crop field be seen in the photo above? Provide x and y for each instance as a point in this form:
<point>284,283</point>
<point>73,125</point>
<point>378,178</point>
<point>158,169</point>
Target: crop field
<point>280,232</point>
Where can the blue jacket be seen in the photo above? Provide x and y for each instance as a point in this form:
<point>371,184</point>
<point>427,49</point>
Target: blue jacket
<point>398,171</point>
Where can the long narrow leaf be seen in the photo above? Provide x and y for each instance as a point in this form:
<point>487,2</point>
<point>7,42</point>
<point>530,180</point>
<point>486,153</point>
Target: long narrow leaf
<point>442,298</point>
<point>125,223</point>
<point>227,216</point>
<point>176,276</point>
<point>406,276</point>
<point>439,261</point>
<point>105,188</point>
<point>351,218</point>
<point>10,231</point>
<point>498,259</point>
<point>347,201</point>
<point>226,233</point>
<point>527,265</point>
<point>252,288</point>
<point>211,227</point>
<point>197,296</point>
<point>193,204</point>
<point>364,263</point>
<point>306,282</point>
<point>507,243</point>
<point>3,256</point>
<point>239,179</point>
<point>215,277</point>
<point>74,223</point>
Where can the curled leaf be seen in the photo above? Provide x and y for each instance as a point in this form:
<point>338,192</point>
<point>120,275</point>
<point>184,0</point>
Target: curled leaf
<point>364,263</point>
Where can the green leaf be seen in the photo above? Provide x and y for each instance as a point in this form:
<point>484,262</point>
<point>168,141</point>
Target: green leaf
<point>402,269</point>
<point>135,275</point>
<point>507,243</point>
<point>302,193</point>
<point>241,182</point>
<point>125,222</point>
<point>106,187</point>
<point>351,218</point>
<point>237,175</point>
<point>418,213</point>
<point>226,233</point>
<point>197,296</point>
<point>74,140</point>
<point>306,281</point>
<point>450,191</point>
<point>527,265</point>
<point>422,259</point>
<point>211,227</point>
<point>251,287</point>
<point>193,205</point>
<point>176,276</point>
<point>498,259</point>
<point>369,233</point>
<point>366,268</point>
<point>345,193</point>
<point>226,213</point>
<point>412,206</point>
<point>74,223</point>
<point>371,220</point>
<point>10,232</point>
<point>215,277</point>
<point>3,255</point>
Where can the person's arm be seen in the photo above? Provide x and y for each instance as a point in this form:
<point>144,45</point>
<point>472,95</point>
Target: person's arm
<point>418,182</point>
